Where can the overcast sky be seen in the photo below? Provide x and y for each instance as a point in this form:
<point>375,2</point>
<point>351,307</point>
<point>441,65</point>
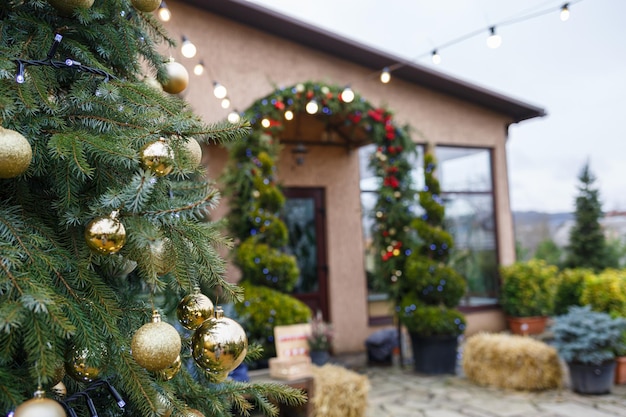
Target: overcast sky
<point>576,70</point>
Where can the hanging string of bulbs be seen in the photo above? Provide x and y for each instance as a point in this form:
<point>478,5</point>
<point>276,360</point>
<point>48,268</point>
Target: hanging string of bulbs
<point>493,41</point>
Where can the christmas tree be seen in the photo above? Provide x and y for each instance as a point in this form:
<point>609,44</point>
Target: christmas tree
<point>103,221</point>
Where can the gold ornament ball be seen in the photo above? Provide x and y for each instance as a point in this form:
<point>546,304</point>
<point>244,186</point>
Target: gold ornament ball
<point>162,254</point>
<point>15,153</point>
<point>164,408</point>
<point>193,310</point>
<point>157,157</point>
<point>152,82</point>
<point>194,151</point>
<point>171,371</point>
<point>219,345</point>
<point>156,345</point>
<point>192,412</point>
<point>80,364</point>
<point>39,406</point>
<point>146,5</point>
<point>177,77</point>
<point>60,390</point>
<point>105,235</point>
<point>67,7</point>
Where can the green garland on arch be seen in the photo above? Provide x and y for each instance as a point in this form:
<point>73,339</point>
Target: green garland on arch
<point>392,238</point>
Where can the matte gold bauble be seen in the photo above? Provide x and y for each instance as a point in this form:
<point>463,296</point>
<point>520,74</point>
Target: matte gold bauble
<point>39,406</point>
<point>219,345</point>
<point>146,5</point>
<point>194,151</point>
<point>106,234</point>
<point>80,364</point>
<point>155,345</point>
<point>194,309</point>
<point>15,153</point>
<point>162,255</point>
<point>67,7</point>
<point>177,78</point>
<point>157,157</point>
<point>171,371</point>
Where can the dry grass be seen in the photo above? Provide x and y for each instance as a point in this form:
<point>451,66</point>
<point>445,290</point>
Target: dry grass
<point>339,392</point>
<point>511,362</point>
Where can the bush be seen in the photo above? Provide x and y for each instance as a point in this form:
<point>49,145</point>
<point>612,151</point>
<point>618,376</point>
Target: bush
<point>606,292</point>
<point>569,289</point>
<point>435,284</point>
<point>430,320</point>
<point>528,288</point>
<point>261,264</point>
<point>263,309</point>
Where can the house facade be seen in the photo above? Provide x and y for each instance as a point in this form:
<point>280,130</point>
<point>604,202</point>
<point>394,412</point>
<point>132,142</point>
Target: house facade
<point>255,52</point>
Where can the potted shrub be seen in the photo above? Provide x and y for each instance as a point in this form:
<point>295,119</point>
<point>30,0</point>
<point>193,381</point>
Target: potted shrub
<point>320,340</point>
<point>430,290</point>
<point>587,341</point>
<point>527,295</point>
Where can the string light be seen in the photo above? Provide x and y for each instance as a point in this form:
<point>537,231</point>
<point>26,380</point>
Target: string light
<point>199,68</point>
<point>436,57</point>
<point>288,115</point>
<point>493,40</point>
<point>385,75</point>
<point>265,123</point>
<point>225,103</point>
<point>219,90</point>
<point>312,107</point>
<point>347,95</point>
<point>188,49</point>
<point>564,15</point>
<point>234,117</point>
<point>164,13</point>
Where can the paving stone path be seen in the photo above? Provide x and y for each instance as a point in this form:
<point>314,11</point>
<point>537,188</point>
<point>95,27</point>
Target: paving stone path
<point>398,392</point>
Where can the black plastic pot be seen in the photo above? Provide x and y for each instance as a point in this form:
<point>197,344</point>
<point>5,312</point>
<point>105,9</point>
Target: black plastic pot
<point>592,379</point>
<point>434,354</point>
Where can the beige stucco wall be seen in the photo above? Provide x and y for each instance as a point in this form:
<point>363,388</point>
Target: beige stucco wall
<point>251,64</point>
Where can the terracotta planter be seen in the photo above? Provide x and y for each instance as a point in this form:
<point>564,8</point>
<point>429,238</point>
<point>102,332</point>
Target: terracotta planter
<point>620,370</point>
<point>527,325</point>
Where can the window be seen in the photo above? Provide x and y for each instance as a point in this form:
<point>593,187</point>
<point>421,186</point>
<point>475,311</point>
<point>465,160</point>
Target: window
<point>467,191</point>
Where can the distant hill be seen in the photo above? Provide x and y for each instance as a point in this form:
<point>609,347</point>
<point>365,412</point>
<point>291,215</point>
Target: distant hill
<point>532,227</point>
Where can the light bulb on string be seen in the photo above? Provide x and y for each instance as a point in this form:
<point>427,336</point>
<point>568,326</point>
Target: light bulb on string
<point>187,48</point>
<point>494,40</point>
<point>436,57</point>
<point>564,15</point>
<point>225,103</point>
<point>347,95</point>
<point>164,13</point>
<point>234,117</point>
<point>312,107</point>
<point>199,68</point>
<point>219,90</point>
<point>265,123</point>
<point>288,115</point>
<point>385,76</point>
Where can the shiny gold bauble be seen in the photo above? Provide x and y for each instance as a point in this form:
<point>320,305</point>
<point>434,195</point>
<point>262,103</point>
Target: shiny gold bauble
<point>171,371</point>
<point>67,7</point>
<point>39,406</point>
<point>177,78</point>
<point>194,151</point>
<point>162,255</point>
<point>219,345</point>
<point>15,153</point>
<point>157,157</point>
<point>80,364</point>
<point>146,5</point>
<point>194,309</point>
<point>156,345</point>
<point>164,408</point>
<point>106,234</point>
<point>60,390</point>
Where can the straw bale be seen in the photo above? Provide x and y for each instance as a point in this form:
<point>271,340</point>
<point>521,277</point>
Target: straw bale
<point>339,392</point>
<point>511,362</point>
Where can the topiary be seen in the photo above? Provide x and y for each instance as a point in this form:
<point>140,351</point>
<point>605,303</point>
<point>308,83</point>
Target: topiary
<point>263,309</point>
<point>430,320</point>
<point>261,264</point>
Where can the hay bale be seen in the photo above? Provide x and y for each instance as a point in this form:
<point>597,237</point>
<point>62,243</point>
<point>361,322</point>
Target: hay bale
<point>511,362</point>
<point>339,392</point>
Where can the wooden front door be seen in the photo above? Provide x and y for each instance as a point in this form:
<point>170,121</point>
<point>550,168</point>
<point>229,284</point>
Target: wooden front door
<point>305,216</point>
